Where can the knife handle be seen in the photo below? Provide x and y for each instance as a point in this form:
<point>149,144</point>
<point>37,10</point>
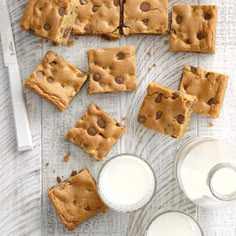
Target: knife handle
<point>23,134</point>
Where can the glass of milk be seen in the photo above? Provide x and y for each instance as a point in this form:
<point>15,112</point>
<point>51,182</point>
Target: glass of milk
<point>206,171</point>
<point>126,183</point>
<point>174,223</point>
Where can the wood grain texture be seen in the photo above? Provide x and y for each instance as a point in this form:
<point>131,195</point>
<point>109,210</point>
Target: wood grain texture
<point>25,178</point>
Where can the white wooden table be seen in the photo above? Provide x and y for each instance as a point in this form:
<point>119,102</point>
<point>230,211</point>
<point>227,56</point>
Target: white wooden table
<point>25,177</point>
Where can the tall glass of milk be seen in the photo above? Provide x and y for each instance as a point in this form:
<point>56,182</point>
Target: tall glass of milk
<point>206,171</point>
<point>174,223</point>
<point>126,183</point>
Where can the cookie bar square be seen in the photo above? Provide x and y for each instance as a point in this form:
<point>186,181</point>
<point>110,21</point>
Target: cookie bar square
<point>208,87</point>
<point>76,199</point>
<point>50,19</point>
<point>96,132</point>
<point>145,17</point>
<point>193,28</point>
<point>112,69</point>
<point>166,111</point>
<point>56,80</point>
<point>98,17</point>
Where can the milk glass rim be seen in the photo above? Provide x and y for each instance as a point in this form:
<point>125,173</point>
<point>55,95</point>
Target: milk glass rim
<point>171,211</point>
<point>136,156</point>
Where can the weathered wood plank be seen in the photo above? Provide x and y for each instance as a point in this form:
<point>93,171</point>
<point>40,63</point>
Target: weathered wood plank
<point>20,172</point>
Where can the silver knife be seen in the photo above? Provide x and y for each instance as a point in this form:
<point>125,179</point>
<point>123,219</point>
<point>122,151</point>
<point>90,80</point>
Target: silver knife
<point>23,134</point>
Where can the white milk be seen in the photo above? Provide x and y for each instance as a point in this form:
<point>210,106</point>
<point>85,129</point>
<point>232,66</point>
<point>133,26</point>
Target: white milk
<point>207,162</point>
<point>126,183</point>
<point>174,224</point>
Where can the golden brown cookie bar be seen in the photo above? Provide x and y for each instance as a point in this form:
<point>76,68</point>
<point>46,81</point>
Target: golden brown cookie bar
<point>50,19</point>
<point>76,199</point>
<point>96,132</point>
<point>166,111</point>
<point>145,17</point>
<point>98,17</point>
<point>193,28</point>
<point>56,80</point>
<point>209,87</point>
<point>112,69</point>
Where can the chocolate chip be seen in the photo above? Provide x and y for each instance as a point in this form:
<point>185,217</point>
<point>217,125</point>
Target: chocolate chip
<point>119,79</point>
<point>158,98</point>
<point>207,16</point>
<point>201,35</point>
<point>83,2</point>
<point>50,80</point>
<point>145,6</point>
<point>141,119</point>
<point>193,70</point>
<point>40,74</point>
<point>74,202</point>
<point>211,101</point>
<point>47,27</point>
<point>74,172</point>
<point>62,11</point>
<point>145,21</point>
<point>87,29</point>
<point>180,119</point>
<point>175,95</point>
<point>58,179</point>
<point>158,115</point>
<point>208,74</point>
<point>95,8</point>
<point>101,123</point>
<point>96,77</point>
<point>178,19</point>
<point>116,3</point>
<point>120,56</point>
<point>53,63</point>
<point>187,41</point>
<point>92,131</point>
<point>87,208</point>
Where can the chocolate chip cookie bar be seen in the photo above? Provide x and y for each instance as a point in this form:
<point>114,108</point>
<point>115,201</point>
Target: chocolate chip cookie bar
<point>209,87</point>
<point>112,69</point>
<point>145,17</point>
<point>166,111</point>
<point>193,28</point>
<point>50,19</point>
<point>96,132</point>
<point>76,199</point>
<point>56,80</point>
<point>98,17</point>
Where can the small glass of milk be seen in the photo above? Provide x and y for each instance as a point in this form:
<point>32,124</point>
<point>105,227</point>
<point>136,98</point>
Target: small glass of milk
<point>126,183</point>
<point>174,223</point>
<point>206,171</point>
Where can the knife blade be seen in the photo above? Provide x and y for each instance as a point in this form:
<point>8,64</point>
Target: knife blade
<point>23,134</point>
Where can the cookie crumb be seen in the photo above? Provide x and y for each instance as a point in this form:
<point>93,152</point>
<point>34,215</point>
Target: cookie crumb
<point>166,41</point>
<point>70,43</point>
<point>124,118</point>
<point>74,172</point>
<point>41,41</point>
<point>67,156</point>
<point>47,164</point>
<point>53,171</point>
<point>55,44</point>
<point>76,37</point>
<point>210,124</point>
<point>58,179</point>
<point>149,54</point>
<point>154,65</point>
